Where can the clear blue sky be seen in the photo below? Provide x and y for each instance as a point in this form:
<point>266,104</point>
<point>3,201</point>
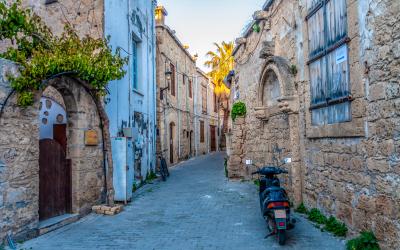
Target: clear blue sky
<point>200,23</point>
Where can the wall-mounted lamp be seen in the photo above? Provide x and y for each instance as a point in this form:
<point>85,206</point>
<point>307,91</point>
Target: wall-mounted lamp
<point>168,76</point>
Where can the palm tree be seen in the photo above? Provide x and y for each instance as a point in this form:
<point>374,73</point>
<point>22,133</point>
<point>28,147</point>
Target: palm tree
<point>221,63</point>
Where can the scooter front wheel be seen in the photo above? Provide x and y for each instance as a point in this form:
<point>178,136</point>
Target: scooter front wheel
<point>282,237</point>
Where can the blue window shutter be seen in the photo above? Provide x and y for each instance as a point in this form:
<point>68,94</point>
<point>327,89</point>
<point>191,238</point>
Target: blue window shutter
<point>134,65</point>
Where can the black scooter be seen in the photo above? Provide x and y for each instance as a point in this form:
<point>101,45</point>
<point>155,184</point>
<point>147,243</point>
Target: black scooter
<point>274,202</point>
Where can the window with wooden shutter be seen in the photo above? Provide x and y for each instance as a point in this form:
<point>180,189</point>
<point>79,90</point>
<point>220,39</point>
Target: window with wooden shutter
<point>172,85</point>
<point>204,99</point>
<point>135,65</point>
<point>201,131</point>
<point>190,88</point>
<point>328,64</point>
<point>215,100</point>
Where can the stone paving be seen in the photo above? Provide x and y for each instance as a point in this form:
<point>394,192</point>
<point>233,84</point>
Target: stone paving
<point>197,208</point>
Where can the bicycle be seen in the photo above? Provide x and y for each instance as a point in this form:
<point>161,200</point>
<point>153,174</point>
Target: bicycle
<point>163,167</point>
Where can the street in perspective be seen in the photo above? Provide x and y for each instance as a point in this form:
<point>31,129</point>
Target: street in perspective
<point>197,208</point>
<point>187,124</point>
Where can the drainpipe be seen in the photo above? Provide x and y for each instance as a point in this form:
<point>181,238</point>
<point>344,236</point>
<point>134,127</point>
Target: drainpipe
<point>179,111</point>
<point>194,87</point>
<point>153,41</point>
<point>129,64</point>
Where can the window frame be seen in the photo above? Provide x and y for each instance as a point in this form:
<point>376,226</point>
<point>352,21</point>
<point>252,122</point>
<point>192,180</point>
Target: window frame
<point>202,135</point>
<point>204,99</point>
<point>190,88</point>
<point>323,55</point>
<point>135,82</point>
<point>172,83</point>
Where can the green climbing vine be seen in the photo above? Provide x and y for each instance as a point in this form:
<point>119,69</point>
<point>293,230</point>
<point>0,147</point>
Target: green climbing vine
<point>42,54</point>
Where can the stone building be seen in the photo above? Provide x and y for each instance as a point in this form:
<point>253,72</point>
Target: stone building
<point>50,136</point>
<point>131,103</point>
<point>181,126</point>
<point>321,83</point>
<point>42,176</point>
<point>207,121</point>
<point>65,123</point>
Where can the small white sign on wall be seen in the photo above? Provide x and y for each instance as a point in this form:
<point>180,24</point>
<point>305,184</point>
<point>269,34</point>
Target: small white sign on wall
<point>236,95</point>
<point>341,54</point>
<point>249,162</point>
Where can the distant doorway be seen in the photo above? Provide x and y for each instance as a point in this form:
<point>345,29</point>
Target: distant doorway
<point>190,143</point>
<point>171,142</point>
<point>213,141</point>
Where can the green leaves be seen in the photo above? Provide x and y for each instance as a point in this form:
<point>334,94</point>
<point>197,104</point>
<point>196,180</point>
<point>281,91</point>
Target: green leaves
<point>221,63</point>
<point>336,227</point>
<point>366,241</point>
<point>43,55</point>
<point>316,216</point>
<point>238,109</point>
<point>331,225</point>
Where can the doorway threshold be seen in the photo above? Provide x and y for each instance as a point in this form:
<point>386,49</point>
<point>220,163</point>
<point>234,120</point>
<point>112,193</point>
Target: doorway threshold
<point>54,223</point>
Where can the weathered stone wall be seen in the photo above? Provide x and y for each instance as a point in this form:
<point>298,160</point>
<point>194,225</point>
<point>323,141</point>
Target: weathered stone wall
<point>85,16</point>
<point>351,169</point>
<point>19,164</point>
<point>19,155</point>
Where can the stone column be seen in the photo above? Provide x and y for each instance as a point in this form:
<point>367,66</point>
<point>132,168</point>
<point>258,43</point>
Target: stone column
<point>235,161</point>
<point>295,166</point>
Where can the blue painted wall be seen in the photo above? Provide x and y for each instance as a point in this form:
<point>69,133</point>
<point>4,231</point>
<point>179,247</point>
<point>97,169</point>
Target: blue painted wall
<point>132,101</point>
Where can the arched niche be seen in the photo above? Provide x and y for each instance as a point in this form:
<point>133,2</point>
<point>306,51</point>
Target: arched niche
<point>276,89</point>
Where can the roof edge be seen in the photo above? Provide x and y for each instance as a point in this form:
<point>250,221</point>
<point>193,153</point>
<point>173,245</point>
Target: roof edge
<point>247,32</point>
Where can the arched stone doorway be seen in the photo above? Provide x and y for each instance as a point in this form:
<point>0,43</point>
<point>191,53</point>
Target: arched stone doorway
<point>84,145</point>
<point>19,154</point>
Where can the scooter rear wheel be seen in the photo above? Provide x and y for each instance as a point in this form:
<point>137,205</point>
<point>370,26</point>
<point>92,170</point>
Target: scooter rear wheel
<point>282,237</point>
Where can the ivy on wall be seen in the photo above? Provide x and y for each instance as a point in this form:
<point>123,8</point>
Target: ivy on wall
<point>43,55</point>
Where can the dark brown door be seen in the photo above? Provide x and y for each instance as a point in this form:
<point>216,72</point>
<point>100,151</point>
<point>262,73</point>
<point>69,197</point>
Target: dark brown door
<point>171,143</point>
<point>54,180</point>
<point>60,135</point>
<point>213,139</point>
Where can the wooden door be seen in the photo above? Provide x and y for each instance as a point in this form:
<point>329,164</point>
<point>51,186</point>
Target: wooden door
<point>171,143</point>
<point>60,135</point>
<point>213,141</point>
<point>54,180</point>
<point>190,142</point>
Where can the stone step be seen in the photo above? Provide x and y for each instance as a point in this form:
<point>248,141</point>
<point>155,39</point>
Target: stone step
<point>54,223</point>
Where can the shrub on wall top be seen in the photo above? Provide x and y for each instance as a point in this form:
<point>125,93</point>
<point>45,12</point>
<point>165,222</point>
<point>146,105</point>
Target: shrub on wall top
<point>238,109</point>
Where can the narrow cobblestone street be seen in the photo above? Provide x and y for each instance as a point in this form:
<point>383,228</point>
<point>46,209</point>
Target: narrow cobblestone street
<point>195,209</point>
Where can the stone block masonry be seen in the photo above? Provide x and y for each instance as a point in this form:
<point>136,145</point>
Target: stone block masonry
<point>19,156</point>
<point>347,169</point>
